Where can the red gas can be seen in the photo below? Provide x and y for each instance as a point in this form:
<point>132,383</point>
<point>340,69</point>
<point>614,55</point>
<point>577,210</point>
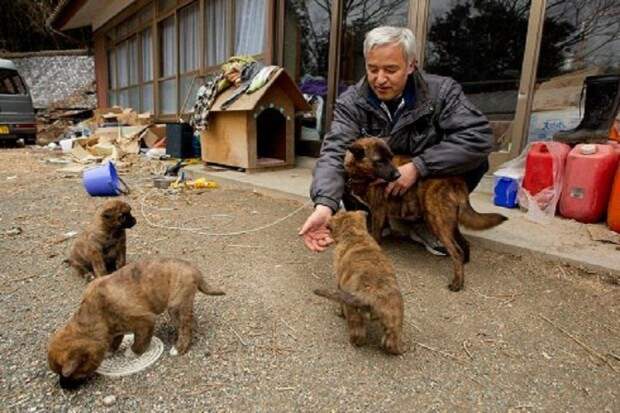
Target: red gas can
<point>613,211</point>
<point>539,165</point>
<point>589,174</point>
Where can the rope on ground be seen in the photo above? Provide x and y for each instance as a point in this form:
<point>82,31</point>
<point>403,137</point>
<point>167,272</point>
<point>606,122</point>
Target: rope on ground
<point>199,230</point>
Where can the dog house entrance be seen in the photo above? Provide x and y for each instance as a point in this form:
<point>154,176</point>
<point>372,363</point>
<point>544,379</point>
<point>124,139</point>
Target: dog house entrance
<point>271,138</point>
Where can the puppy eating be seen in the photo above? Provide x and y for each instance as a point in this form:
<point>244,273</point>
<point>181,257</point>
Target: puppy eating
<point>126,301</point>
<point>101,248</point>
<point>366,282</point>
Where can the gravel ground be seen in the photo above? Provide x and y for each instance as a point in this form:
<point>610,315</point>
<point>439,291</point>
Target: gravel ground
<point>524,335</point>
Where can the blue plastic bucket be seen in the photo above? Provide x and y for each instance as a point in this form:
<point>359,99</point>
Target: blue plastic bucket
<point>103,181</point>
<point>505,191</point>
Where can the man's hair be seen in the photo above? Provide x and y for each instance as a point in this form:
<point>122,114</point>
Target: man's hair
<point>384,35</point>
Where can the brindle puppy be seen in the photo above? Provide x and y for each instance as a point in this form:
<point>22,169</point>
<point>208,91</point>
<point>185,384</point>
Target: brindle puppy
<point>101,248</point>
<point>443,202</point>
<point>366,282</point>
<point>126,301</point>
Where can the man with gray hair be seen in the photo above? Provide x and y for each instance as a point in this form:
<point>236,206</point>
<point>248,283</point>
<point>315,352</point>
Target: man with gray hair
<point>425,116</point>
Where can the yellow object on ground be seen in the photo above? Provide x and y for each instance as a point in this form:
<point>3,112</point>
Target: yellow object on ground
<point>200,183</point>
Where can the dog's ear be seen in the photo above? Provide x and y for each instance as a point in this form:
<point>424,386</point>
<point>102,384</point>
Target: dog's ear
<point>71,365</point>
<point>357,150</point>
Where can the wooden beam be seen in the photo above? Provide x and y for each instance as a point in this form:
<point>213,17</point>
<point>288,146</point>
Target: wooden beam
<point>418,23</point>
<point>521,124</point>
<point>333,75</point>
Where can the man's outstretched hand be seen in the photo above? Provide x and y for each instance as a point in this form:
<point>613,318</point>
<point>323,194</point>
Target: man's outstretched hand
<point>314,231</point>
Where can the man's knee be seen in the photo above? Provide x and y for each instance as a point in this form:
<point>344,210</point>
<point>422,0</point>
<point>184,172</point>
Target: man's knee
<point>473,177</point>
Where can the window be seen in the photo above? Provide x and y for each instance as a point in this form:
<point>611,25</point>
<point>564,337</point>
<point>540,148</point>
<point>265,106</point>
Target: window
<point>481,45</point>
<point>141,61</point>
<point>146,103</point>
<point>249,26</point>
<point>188,53</point>
<point>168,67</point>
<point>579,39</point>
<point>306,49</point>
<point>11,83</point>
<point>358,19</point>
<point>217,31</point>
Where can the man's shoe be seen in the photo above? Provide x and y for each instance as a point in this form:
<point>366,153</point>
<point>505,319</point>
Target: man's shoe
<point>420,233</point>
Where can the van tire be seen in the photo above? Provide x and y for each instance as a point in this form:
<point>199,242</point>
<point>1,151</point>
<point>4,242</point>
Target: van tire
<point>30,139</point>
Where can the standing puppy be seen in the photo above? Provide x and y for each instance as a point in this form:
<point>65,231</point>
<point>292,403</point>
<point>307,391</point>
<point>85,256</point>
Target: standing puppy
<point>366,282</point>
<point>102,247</point>
<point>126,301</point>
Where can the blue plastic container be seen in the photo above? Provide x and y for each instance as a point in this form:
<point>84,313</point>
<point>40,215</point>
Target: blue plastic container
<point>103,181</point>
<point>505,191</point>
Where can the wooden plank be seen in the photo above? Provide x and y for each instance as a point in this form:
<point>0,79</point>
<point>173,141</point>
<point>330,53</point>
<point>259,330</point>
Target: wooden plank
<point>225,142</point>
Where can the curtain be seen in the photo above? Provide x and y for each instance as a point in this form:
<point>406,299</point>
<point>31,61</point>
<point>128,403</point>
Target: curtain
<point>133,60</point>
<point>112,69</point>
<point>168,46</point>
<point>217,31</point>
<point>168,96</point>
<point>188,38</point>
<point>249,26</point>
<point>122,64</point>
<point>147,56</point>
<point>147,98</point>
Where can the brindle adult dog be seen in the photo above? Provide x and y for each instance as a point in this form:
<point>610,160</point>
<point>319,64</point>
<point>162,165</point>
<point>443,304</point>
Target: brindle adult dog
<point>442,202</point>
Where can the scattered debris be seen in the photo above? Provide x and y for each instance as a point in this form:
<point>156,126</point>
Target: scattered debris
<point>584,346</point>
<point>109,400</point>
<point>14,231</point>
<point>200,183</point>
<point>603,234</point>
<point>65,236</point>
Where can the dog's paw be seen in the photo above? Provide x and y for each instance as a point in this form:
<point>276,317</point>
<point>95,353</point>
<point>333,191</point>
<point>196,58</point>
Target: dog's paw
<point>455,287</point>
<point>174,351</point>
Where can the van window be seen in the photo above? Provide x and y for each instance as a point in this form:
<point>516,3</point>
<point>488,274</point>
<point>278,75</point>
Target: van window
<point>11,83</point>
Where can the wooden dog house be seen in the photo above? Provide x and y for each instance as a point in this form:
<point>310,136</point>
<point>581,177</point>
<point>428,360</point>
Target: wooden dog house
<point>257,130</point>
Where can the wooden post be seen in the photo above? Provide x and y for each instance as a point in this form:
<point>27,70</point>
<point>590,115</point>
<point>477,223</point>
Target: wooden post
<point>333,75</point>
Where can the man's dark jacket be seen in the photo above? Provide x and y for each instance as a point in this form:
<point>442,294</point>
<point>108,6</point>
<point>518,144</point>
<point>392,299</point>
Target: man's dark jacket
<point>439,127</point>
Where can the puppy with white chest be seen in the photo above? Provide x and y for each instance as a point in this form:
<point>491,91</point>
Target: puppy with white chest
<point>102,248</point>
<point>126,301</point>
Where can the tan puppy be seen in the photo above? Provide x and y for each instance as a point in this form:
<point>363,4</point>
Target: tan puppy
<point>126,301</point>
<point>366,282</point>
<point>102,248</point>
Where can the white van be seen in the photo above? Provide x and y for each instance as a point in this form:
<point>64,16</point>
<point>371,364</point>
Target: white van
<point>17,119</point>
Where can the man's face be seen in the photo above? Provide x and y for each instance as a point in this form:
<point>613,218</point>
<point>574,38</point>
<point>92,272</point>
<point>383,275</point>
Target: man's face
<point>387,70</point>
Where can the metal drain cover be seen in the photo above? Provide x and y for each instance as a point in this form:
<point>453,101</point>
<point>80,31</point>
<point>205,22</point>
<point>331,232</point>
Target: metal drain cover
<point>124,362</point>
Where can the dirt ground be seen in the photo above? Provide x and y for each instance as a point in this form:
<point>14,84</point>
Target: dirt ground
<point>524,335</point>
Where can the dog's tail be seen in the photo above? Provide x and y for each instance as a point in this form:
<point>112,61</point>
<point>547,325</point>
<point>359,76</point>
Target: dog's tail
<point>340,296</point>
<point>471,219</point>
<point>204,288</point>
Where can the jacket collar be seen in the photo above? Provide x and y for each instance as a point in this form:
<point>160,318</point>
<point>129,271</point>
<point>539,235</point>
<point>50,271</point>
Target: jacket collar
<point>417,100</point>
